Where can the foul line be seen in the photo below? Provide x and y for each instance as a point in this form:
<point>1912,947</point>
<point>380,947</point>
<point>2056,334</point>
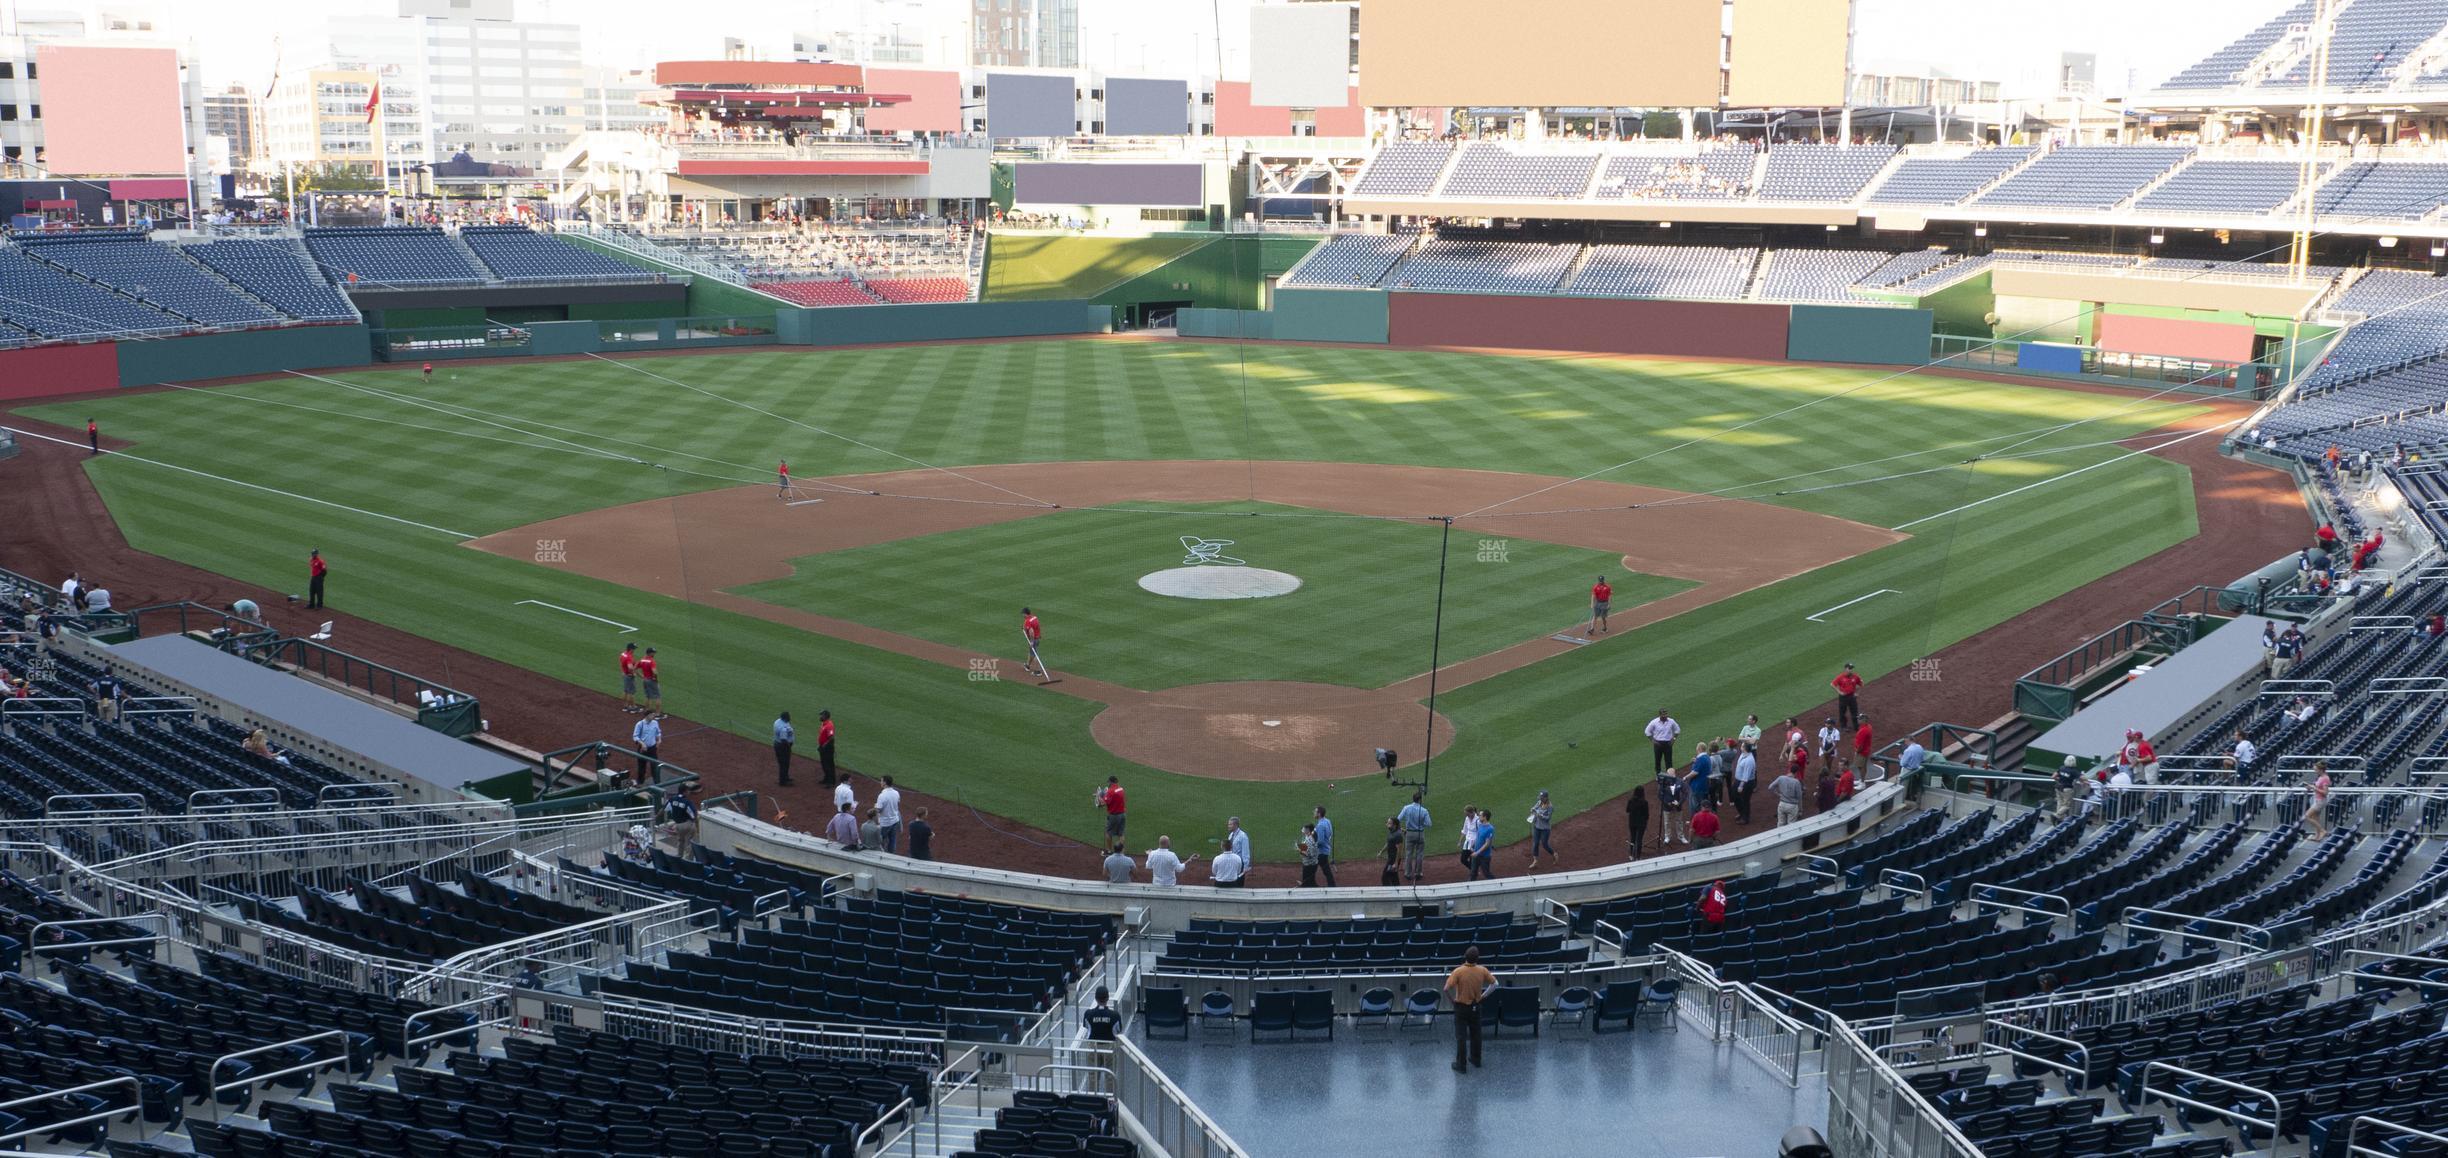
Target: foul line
<point>2069,474</point>
<point>624,628</point>
<point>24,433</point>
<point>1851,602</point>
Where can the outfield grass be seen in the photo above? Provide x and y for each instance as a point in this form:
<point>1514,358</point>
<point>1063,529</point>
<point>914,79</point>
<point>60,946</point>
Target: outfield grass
<point>1361,617</point>
<point>1019,750</point>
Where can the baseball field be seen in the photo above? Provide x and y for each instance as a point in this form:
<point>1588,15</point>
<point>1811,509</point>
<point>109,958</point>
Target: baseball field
<point>1761,525</point>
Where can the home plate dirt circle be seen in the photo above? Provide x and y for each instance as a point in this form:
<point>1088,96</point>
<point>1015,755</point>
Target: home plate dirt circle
<point>1267,730</point>
<point>1220,582</point>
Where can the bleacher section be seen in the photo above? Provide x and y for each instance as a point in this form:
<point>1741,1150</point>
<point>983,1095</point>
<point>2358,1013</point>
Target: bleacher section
<point>907,959</point>
<point>2084,177</point>
<point>1404,169</point>
<point>2222,69</point>
<point>2384,191</point>
<point>1801,172</point>
<point>1350,260</point>
<point>1719,174</point>
<point>153,274</point>
<point>2226,187</point>
<point>2403,323</point>
<point>832,292</point>
<point>382,258</point>
<point>1664,271</point>
<point>517,253</point>
<point>1496,267</point>
<point>277,272</point>
<point>48,302</point>
<point>1947,180</point>
<point>1488,170</point>
<point>920,289</point>
<point>1240,948</point>
<point>1818,275</point>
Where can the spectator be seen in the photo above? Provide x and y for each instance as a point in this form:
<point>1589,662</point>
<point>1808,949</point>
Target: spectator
<point>1909,762</point>
<point>97,599</point>
<point>647,737</point>
<point>1118,866</point>
<point>1228,871</point>
<point>1844,785</point>
<point>258,744</point>
<point>871,834</point>
<point>1827,793</point>
<point>247,609</point>
<point>1391,874</point>
<point>2244,755</point>
<point>1307,847</point>
<point>843,829</point>
<point>1467,986</point>
<point>1746,780</point>
<point>1703,770</point>
<point>2067,779</point>
<point>1164,867</point>
<point>1237,839</point>
<point>1787,790</point>
<point>888,815</point>
<point>2317,816</point>
<point>1483,848</point>
<point>1415,821</point>
<point>922,838</point>
<point>1711,909</point>
<point>1670,810</point>
<point>1324,830</point>
<point>1662,732</point>
<point>1636,819</point>
<point>1749,736</point>
<point>1542,821</point>
<point>843,797</point>
<point>106,694</point>
<point>1862,741</point>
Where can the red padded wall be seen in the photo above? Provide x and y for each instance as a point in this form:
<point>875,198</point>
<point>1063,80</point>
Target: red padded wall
<point>42,371</point>
<point>1595,325</point>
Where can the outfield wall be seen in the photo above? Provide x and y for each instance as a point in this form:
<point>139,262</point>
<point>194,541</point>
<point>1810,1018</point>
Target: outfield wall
<point>1865,334</point>
<point>1298,316</point>
<point>45,371</point>
<point>1746,330</point>
<point>941,322</point>
<point>242,353</point>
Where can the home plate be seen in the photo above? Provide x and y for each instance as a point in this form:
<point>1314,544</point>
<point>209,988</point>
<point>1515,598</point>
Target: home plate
<point>1272,723</point>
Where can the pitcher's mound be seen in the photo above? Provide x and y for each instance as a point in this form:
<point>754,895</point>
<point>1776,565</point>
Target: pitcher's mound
<point>1220,582</point>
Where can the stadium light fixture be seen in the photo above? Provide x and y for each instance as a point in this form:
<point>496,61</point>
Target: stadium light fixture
<point>1980,231</point>
<point>2158,239</point>
<point>2388,243</point>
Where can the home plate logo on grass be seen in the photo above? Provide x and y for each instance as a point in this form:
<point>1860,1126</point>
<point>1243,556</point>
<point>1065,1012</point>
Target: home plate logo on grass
<point>1208,573</point>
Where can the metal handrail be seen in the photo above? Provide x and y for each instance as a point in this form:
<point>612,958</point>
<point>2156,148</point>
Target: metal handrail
<point>2277,1108</point>
<point>34,941</point>
<point>135,1105</point>
<point>409,1042</point>
<point>142,805</point>
<point>1889,877</point>
<point>2417,982</point>
<point>1602,925</point>
<point>1979,900</point>
<point>1814,865</point>
<point>360,792</point>
<point>858,1145</point>
<point>2267,939</point>
<point>1112,1083</point>
<point>2298,688</point>
<point>2356,1126</point>
<point>32,706</point>
<point>267,795</point>
<point>2076,1070</point>
<point>160,706</point>
<point>212,1075</point>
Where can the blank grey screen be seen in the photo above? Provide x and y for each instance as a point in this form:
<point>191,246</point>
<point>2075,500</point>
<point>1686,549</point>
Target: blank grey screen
<point>1147,108</point>
<point>1085,183</point>
<point>1020,105</point>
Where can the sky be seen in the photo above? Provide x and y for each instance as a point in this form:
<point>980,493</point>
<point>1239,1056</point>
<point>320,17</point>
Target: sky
<point>2015,43</point>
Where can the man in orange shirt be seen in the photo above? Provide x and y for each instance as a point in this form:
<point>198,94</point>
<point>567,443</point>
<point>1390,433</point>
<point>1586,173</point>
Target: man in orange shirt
<point>1467,986</point>
<point>1600,593</point>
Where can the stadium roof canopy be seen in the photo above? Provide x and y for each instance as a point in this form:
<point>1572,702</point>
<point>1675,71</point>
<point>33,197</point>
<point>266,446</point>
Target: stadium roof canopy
<point>2380,52</point>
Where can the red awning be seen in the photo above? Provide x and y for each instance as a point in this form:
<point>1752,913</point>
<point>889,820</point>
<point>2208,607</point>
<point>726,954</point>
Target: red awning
<point>149,189</point>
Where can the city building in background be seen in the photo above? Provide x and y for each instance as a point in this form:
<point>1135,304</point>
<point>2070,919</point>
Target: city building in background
<point>1024,33</point>
<point>231,131</point>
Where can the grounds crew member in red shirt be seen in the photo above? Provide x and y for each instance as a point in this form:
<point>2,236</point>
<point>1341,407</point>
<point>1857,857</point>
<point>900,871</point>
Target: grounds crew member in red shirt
<point>93,436</point>
<point>429,371</point>
<point>1110,797</point>
<point>782,476</point>
<point>1848,707</point>
<point>1600,593</point>
<point>1704,826</point>
<point>315,570</point>
<point>1861,748</point>
<point>629,674</point>
<point>653,677</point>
<point>1030,633</point>
<point>824,745</point>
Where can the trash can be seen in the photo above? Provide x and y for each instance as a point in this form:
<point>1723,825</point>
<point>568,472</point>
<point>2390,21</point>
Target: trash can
<point>1803,1142</point>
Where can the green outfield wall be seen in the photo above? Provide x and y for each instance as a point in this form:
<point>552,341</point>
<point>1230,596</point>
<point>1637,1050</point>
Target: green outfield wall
<point>242,353</point>
<point>1865,334</point>
<point>948,321</point>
